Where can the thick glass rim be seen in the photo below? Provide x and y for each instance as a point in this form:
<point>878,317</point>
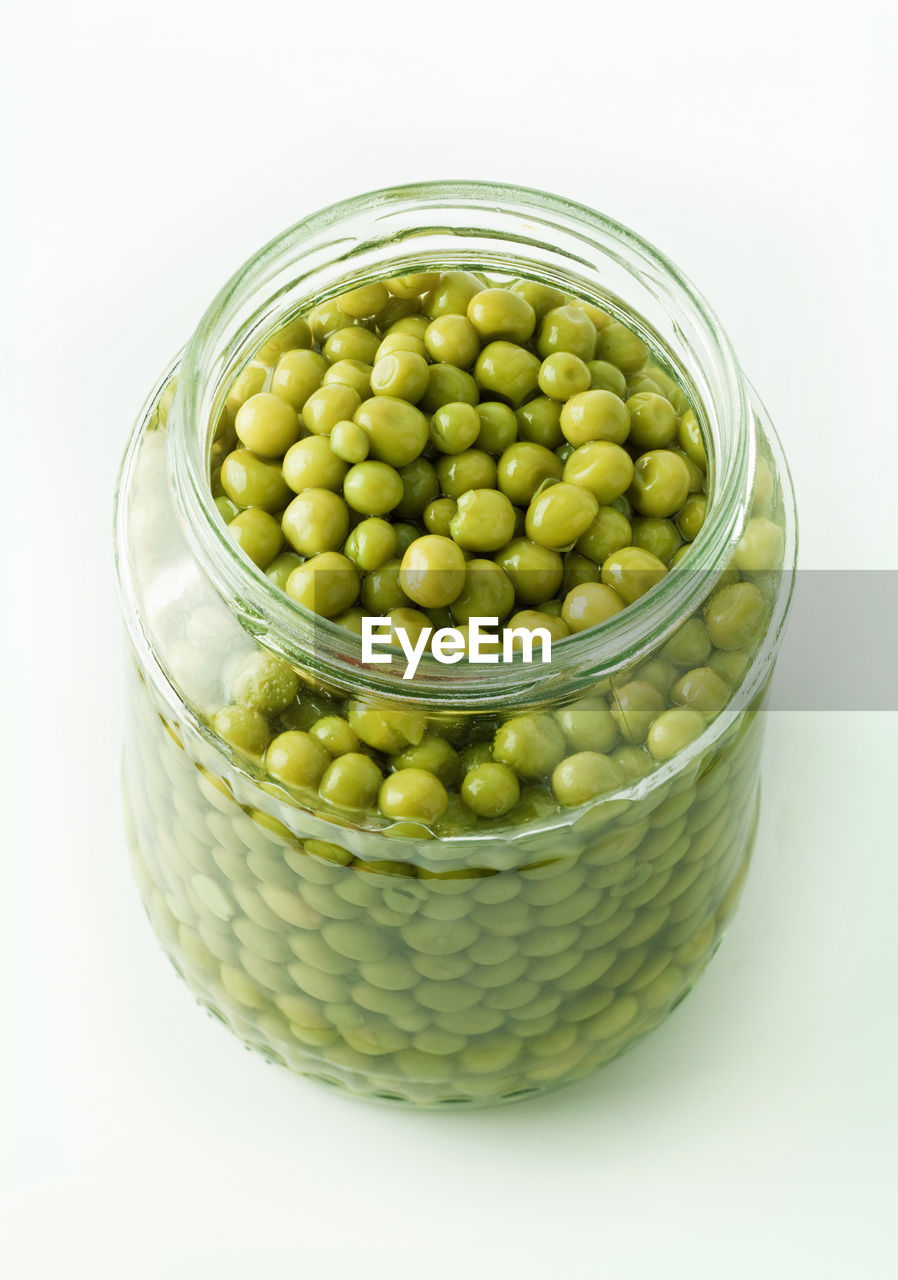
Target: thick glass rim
<point>340,243</point>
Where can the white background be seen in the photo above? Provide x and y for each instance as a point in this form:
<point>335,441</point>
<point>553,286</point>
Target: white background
<point>149,149</point>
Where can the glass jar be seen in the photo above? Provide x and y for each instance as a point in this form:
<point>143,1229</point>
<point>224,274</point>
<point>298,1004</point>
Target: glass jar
<point>479,961</point>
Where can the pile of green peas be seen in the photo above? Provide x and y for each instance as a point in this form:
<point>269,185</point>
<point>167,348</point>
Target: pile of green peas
<point>415,431</point>
<point>441,446</point>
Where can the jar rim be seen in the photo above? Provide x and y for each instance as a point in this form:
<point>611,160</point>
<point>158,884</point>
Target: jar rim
<point>340,235</point>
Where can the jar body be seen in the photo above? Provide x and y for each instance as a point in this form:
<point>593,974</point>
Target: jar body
<point>487,963</point>
<point>471,985</point>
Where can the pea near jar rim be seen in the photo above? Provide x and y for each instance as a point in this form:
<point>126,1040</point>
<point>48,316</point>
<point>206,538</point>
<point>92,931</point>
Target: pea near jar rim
<point>462,225</point>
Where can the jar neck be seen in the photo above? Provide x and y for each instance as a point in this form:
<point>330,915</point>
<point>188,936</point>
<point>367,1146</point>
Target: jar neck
<point>481,226</point>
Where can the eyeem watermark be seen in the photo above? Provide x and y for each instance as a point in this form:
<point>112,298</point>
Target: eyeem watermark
<point>485,643</point>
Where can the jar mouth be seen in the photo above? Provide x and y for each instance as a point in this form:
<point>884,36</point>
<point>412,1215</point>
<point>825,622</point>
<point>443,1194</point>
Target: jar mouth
<point>455,225</point>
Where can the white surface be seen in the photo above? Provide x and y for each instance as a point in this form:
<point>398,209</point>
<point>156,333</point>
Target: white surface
<point>148,152</point>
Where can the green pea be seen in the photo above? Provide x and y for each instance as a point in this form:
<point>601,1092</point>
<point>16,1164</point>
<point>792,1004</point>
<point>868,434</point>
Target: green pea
<point>405,536</point>
<point>673,730</point>
<point>351,620</point>
<point>609,532</point>
<point>416,325</point>
<point>447,384</point>
<point>438,516</point>
<point>691,517</point>
<point>326,584</point>
<point>398,341</point>
<point>562,375</point>
<point>734,616</point>
<point>559,515</point>
<point>483,520</point>
<point>433,571</point>
<point>577,570</point>
<point>500,313</point>
<point>488,592</point>
<point>350,373</point>
<point>690,644</point>
<point>413,285</point>
<point>530,620</point>
<point>267,425</point>
<point>632,572</point>
<point>451,294</point>
<point>536,572</point>
<point>507,370</point>
<point>622,347</point>
<point>365,301</point>
<point>658,672</point>
<point>588,725</point>
<point>454,427</point>
<point>351,343</point>
<point>653,420</point>
<point>476,753</point>
<point>433,754</point>
<point>542,297</point>
<point>325,319</point>
<point>401,374</point>
<point>249,382</point>
<point>539,420</point>
<point>258,535</point>
<point>335,734</point>
<point>660,483</point>
<point>313,464</point>
<point>297,375</point>
<point>381,588</point>
<point>702,689</point>
<point>600,466</point>
<point>452,339</point>
<point>606,377</point>
<point>372,488</point>
<point>348,442</point>
<point>263,682</point>
<point>371,544</point>
<point>522,468</point>
<point>531,744</point>
<point>690,439</point>
<point>281,567</point>
<point>327,406</point>
<point>388,729</point>
<point>420,487</point>
<point>490,790</point>
<point>761,546</point>
<point>226,508</point>
<point>316,520</point>
<point>498,426</point>
<point>252,482</point>
<point>659,537</point>
<point>243,728</point>
<point>396,430</point>
<point>413,793</point>
<point>296,758</point>
<point>634,706</point>
<point>590,604</point>
<point>473,469</point>
<point>293,333</point>
<point>634,761</point>
<point>569,329</point>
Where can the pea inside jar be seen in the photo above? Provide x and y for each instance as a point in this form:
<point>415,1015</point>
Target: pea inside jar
<point>435,900</point>
<point>536,459</point>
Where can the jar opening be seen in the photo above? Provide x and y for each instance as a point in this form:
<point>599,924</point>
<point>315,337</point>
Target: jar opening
<point>509,231</point>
